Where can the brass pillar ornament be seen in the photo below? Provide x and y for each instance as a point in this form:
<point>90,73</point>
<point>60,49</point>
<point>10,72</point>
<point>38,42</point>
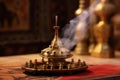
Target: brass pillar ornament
<point>55,63</point>
<point>82,45</point>
<point>102,30</point>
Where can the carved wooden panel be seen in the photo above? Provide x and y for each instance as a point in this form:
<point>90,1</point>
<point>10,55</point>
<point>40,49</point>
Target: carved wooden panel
<point>14,15</point>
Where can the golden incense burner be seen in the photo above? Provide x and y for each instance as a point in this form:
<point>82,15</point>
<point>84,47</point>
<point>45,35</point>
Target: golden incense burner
<point>53,61</point>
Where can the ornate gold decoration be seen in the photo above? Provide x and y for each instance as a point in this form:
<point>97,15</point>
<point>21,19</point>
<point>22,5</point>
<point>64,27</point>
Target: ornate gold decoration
<point>53,60</point>
<point>102,30</point>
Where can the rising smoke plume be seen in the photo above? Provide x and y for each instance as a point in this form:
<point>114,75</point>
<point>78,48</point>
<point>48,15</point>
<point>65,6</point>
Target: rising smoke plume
<point>79,24</point>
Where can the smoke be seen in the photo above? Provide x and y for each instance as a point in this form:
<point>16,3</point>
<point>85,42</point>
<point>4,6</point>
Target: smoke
<point>77,28</point>
<point>68,33</point>
<point>82,25</point>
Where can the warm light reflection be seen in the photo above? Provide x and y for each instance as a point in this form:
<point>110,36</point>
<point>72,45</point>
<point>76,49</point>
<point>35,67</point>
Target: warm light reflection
<point>99,7</point>
<point>78,12</point>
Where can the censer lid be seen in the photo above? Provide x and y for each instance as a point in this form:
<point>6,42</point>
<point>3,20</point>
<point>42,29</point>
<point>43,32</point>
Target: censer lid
<point>55,49</point>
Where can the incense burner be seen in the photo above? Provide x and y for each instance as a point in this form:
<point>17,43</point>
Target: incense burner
<point>53,61</point>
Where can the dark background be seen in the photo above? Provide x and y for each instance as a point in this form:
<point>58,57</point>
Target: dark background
<point>41,21</point>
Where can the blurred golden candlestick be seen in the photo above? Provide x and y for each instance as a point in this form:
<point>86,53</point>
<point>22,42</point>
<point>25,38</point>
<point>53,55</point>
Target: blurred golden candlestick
<point>82,45</point>
<point>102,30</point>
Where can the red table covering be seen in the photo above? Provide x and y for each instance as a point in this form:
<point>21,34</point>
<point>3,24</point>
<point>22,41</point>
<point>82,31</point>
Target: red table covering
<point>95,71</point>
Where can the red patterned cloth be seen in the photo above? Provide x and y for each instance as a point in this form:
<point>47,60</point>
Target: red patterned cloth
<point>96,71</point>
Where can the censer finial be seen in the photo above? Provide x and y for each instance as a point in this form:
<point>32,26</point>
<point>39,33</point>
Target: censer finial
<point>55,39</point>
<point>56,20</point>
